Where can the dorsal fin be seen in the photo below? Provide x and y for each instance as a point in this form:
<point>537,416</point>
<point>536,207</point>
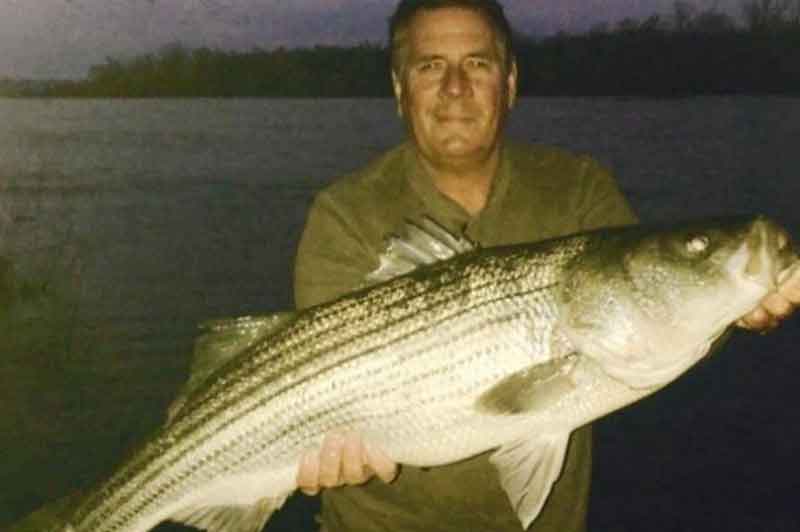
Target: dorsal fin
<point>224,338</point>
<point>222,341</point>
<point>425,242</point>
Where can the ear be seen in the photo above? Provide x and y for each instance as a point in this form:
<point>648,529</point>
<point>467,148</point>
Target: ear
<point>397,86</point>
<point>511,84</point>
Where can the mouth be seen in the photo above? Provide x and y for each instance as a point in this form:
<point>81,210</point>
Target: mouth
<point>455,119</point>
<point>452,114</point>
<point>773,258</point>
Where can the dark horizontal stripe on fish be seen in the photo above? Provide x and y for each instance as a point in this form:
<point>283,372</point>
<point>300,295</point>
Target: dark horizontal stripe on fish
<point>429,325</point>
<point>269,373</point>
<point>334,408</point>
<point>229,447</point>
<point>423,328</point>
<point>456,286</point>
<point>371,374</point>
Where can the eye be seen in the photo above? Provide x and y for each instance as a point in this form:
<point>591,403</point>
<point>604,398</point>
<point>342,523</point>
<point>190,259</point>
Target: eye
<point>697,244</point>
<point>478,62</point>
<point>429,66</point>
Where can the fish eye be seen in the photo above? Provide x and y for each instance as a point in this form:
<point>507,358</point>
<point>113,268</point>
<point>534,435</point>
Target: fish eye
<point>696,244</point>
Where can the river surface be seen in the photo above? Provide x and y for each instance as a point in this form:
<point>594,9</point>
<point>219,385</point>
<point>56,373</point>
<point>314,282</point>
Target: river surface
<point>155,215</point>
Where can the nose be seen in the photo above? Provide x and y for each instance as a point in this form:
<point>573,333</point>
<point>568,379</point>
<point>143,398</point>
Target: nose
<point>455,83</point>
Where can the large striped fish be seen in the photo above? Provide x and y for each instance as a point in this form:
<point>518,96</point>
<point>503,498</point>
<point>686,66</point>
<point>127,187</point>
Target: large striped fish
<point>507,348</point>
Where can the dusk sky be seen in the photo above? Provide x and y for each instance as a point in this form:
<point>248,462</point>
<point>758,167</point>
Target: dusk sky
<point>63,38</point>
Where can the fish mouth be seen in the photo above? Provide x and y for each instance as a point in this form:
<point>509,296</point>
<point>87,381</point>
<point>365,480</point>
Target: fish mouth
<point>772,256</point>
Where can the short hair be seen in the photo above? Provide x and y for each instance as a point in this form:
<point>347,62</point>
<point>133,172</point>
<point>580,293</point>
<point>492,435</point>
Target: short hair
<point>491,10</point>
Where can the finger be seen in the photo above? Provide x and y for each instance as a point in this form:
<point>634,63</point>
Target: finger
<point>380,463</point>
<point>330,461</point>
<point>791,292</point>
<point>790,286</point>
<point>308,473</point>
<point>761,327</point>
<point>757,320</point>
<point>353,468</point>
<point>777,305</point>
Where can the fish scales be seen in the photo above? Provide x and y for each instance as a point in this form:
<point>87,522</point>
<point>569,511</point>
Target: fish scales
<point>504,348</point>
<point>316,345</point>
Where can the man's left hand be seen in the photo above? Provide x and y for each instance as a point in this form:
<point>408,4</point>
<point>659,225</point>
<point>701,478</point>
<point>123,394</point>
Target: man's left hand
<point>776,307</point>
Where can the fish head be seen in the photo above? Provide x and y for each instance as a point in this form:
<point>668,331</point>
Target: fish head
<point>704,272</point>
<point>647,303</point>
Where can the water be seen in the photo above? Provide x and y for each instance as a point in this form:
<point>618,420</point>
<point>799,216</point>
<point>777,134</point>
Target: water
<point>159,214</point>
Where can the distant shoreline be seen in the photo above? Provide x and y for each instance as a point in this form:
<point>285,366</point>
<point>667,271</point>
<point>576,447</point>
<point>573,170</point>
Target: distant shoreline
<point>617,97</point>
<point>639,60</point>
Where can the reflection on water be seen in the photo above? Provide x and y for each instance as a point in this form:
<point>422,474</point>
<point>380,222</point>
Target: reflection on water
<point>155,215</point>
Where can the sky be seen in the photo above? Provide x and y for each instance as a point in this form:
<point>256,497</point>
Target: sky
<point>63,38</point>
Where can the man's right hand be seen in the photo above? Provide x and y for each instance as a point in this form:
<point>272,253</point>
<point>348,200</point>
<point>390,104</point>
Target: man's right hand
<point>343,460</point>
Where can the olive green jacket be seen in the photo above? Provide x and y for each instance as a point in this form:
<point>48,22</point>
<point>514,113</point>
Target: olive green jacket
<point>538,193</point>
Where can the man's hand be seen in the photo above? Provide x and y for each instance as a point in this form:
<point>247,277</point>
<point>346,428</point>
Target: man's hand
<point>344,459</point>
<point>776,307</point>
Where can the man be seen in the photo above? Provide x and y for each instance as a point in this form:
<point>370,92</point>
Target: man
<point>455,79</point>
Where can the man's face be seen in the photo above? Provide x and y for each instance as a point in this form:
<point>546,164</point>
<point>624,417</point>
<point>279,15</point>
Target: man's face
<point>454,90</point>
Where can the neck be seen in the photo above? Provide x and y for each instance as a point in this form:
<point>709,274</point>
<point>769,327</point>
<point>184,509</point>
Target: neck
<point>467,185</point>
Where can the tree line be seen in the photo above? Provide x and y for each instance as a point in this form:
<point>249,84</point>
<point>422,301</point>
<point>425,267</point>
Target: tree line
<point>688,52</point>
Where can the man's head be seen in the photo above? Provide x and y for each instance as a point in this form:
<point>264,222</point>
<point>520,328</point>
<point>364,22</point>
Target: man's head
<point>454,78</point>
<point>405,11</point>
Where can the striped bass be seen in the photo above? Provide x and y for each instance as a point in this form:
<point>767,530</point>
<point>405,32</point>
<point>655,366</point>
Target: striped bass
<point>452,351</point>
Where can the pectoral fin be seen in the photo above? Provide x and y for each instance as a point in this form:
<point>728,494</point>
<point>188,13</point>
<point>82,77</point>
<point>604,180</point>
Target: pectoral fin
<point>534,388</point>
<point>231,518</point>
<point>528,469</point>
